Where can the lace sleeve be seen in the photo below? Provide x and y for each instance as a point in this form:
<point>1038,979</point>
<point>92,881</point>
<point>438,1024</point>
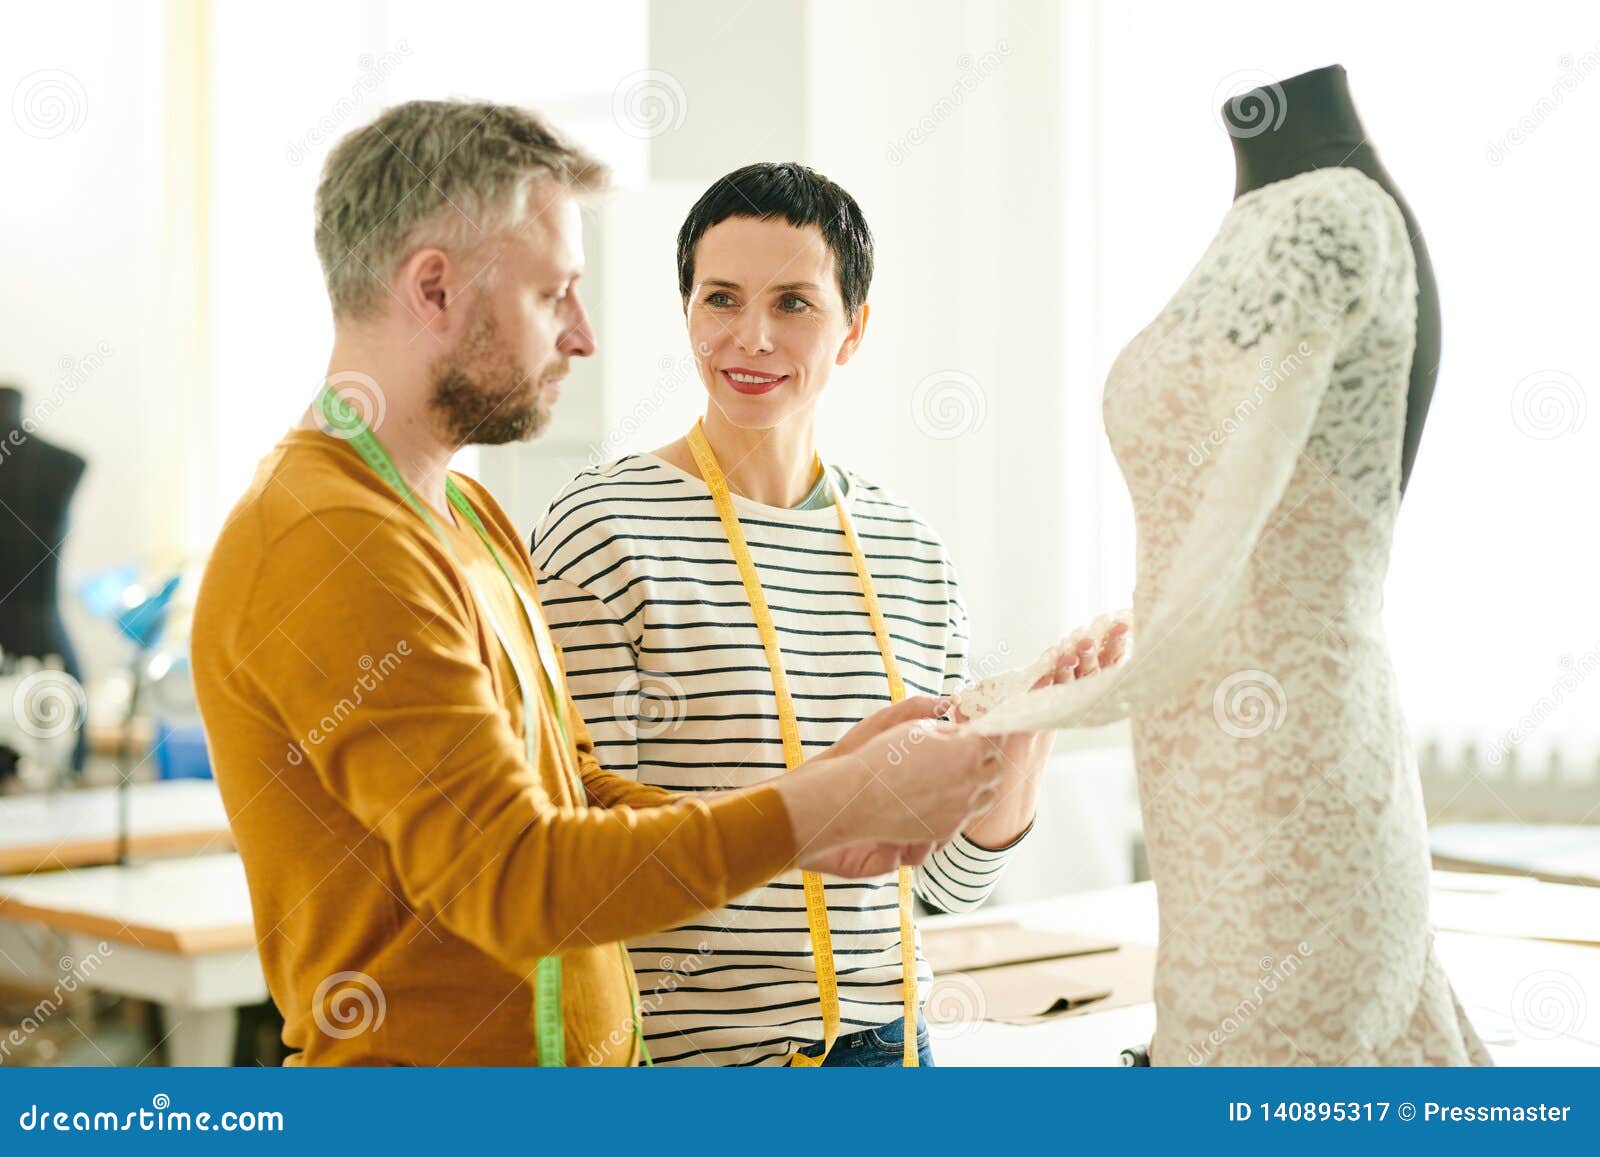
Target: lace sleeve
<point>1289,300</point>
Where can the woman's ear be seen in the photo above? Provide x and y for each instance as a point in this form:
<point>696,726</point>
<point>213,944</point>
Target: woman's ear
<point>853,336</point>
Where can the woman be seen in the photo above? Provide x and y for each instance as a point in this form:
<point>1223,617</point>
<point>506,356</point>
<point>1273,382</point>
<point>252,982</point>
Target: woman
<point>726,604</point>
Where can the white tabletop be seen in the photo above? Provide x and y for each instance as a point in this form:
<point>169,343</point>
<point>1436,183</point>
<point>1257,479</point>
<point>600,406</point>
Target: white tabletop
<point>1534,1001</point>
<point>68,828</point>
<point>190,905</point>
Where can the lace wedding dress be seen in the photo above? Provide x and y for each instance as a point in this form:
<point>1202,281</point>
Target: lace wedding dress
<point>1258,424</point>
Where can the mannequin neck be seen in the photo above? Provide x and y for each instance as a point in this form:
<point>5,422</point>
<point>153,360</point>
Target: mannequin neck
<point>1303,123</point>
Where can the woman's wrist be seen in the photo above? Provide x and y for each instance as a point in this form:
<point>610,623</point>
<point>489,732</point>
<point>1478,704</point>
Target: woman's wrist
<point>1013,813</point>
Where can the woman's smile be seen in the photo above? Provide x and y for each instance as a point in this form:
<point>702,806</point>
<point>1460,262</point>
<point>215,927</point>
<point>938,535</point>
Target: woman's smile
<point>748,381</point>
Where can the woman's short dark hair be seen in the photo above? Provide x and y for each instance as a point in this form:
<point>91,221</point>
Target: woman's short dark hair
<point>801,196</point>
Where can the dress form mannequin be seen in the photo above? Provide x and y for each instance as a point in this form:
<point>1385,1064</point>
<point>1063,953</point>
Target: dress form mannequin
<point>1261,422</point>
<point>1310,122</point>
<point>37,481</point>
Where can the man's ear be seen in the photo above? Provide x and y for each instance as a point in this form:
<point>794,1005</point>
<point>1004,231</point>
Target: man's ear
<point>423,289</point>
<point>852,337</point>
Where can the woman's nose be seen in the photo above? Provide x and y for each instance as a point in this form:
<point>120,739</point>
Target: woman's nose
<point>750,331</point>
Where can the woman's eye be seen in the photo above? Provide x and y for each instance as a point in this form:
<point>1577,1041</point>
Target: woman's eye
<point>719,300</point>
<point>794,303</point>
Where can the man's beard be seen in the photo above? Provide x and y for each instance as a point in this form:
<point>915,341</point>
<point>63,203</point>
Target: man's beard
<point>485,395</point>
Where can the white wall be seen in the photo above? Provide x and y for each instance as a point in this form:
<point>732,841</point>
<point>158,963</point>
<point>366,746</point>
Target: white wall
<point>80,220</point>
<point>1491,581</point>
<point>1039,177</point>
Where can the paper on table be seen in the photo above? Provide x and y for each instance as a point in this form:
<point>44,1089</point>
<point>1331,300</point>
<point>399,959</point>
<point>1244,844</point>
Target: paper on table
<point>1044,989</point>
<point>968,947</point>
<point>1560,853</point>
<point>1006,972</point>
<point>1515,906</point>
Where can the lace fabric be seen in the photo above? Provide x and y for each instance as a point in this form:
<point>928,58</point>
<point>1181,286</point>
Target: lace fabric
<point>1258,423</point>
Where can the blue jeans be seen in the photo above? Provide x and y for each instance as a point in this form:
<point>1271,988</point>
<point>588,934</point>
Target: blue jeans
<point>875,1048</point>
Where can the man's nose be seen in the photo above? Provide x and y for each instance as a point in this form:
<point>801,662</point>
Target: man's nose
<point>578,341</point>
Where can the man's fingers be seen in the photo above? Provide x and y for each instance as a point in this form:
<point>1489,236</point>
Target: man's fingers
<point>914,707</point>
<point>917,707</point>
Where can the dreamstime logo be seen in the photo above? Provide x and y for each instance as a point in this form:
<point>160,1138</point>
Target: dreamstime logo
<point>1548,1004</point>
<point>1249,703</point>
<point>373,673</point>
<point>1575,671</point>
<point>75,974</point>
<point>974,71</point>
<point>348,1004</point>
<point>1574,71</point>
<point>373,71</point>
<point>1549,404</point>
<point>648,103</point>
<point>650,703</point>
<point>363,405</point>
<point>674,373</point>
<point>75,371</point>
<point>956,1006</point>
<point>674,969</point>
<point>1274,973</point>
<point>1274,373</point>
<point>948,404</point>
<point>1250,102</point>
<point>49,104</point>
<point>47,704</point>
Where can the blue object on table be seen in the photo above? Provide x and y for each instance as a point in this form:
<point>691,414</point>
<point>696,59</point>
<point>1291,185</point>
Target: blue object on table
<point>102,591</point>
<point>181,752</point>
<point>117,594</point>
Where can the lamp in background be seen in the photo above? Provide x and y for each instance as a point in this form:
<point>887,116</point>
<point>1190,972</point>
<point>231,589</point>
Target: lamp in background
<point>140,615</point>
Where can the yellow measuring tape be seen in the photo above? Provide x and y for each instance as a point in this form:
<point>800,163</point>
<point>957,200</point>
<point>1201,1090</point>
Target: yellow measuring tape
<point>793,755</point>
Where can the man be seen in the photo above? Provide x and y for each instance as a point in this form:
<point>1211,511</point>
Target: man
<point>440,870</point>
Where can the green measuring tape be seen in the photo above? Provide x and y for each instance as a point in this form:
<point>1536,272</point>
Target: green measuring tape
<point>343,422</point>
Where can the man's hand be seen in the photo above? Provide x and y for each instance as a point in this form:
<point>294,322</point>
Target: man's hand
<point>906,711</point>
<point>911,783</point>
<point>865,861</point>
<point>876,858</point>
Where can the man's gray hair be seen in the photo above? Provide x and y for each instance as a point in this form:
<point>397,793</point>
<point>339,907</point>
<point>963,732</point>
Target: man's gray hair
<point>452,174</point>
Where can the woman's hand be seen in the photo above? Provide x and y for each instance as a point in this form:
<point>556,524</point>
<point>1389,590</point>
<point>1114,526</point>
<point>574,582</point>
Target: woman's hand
<point>1023,754</point>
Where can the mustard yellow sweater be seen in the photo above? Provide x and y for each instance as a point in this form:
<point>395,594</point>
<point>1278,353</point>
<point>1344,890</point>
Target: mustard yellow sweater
<point>407,866</point>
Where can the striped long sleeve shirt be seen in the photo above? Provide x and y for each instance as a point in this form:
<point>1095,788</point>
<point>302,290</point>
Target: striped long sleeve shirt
<point>664,660</point>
